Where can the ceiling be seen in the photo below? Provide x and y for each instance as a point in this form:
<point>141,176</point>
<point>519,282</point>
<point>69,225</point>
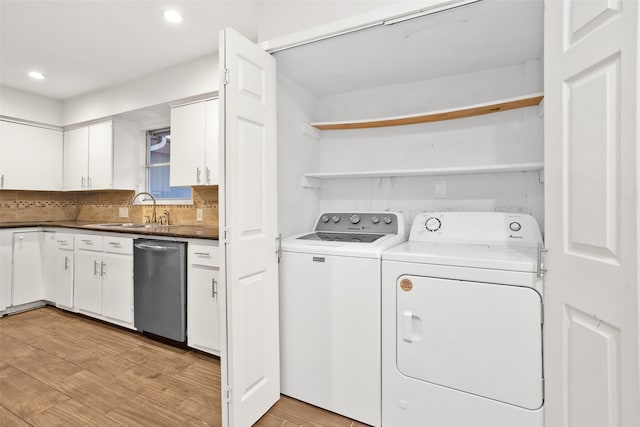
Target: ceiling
<point>476,37</point>
<point>85,46</point>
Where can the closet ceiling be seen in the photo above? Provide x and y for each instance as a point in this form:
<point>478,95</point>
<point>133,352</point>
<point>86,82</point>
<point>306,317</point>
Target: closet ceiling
<point>480,36</point>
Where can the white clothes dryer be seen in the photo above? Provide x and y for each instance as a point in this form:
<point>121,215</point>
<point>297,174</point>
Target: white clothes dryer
<point>462,323</point>
<point>330,312</point>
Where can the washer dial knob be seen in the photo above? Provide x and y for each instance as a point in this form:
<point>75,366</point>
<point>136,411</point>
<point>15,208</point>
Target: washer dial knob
<point>375,219</point>
<point>515,226</point>
<point>432,224</point>
<point>335,218</point>
<point>387,219</point>
<point>354,219</point>
<point>325,218</point>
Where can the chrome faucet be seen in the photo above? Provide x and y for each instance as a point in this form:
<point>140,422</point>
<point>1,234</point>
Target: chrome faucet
<point>153,212</point>
<point>166,217</point>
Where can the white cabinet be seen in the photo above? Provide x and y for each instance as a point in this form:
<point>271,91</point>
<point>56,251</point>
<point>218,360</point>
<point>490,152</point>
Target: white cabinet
<point>203,277</point>
<point>88,157</point>
<point>104,278</point>
<point>28,284</point>
<point>6,258</point>
<point>61,277</point>
<point>194,144</point>
<point>30,157</point>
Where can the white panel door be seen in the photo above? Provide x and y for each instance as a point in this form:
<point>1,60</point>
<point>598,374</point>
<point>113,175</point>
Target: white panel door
<point>248,218</point>
<point>591,210</point>
<point>101,156</point>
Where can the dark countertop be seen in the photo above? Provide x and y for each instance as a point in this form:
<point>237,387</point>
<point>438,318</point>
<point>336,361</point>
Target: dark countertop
<point>186,231</point>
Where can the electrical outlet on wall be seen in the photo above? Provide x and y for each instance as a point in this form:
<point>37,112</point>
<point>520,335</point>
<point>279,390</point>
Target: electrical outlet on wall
<point>440,189</point>
<point>199,214</point>
<point>123,212</point>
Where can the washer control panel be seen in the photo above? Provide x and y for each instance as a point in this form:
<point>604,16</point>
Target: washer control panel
<point>476,228</point>
<point>362,222</point>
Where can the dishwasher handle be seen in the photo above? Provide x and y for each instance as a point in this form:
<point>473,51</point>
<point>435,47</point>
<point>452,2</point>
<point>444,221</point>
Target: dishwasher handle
<point>157,248</point>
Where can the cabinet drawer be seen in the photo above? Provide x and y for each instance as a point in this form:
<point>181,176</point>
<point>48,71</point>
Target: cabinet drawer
<point>203,255</point>
<point>90,242</point>
<point>118,245</point>
<point>64,241</point>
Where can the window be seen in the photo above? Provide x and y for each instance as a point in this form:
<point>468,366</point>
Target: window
<point>158,155</point>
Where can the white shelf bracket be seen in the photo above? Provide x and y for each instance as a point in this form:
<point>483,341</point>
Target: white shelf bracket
<point>308,130</point>
<point>541,176</point>
<point>541,109</point>
<point>309,182</point>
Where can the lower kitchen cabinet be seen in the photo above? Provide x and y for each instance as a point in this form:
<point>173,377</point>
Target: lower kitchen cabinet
<point>6,261</point>
<point>62,277</point>
<point>27,283</point>
<point>104,278</point>
<point>203,275</point>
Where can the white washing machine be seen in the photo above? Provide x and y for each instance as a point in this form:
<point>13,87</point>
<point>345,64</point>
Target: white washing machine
<point>462,323</point>
<point>330,312</point>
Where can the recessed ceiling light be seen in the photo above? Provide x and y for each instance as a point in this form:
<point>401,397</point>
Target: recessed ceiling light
<point>36,75</point>
<point>172,15</point>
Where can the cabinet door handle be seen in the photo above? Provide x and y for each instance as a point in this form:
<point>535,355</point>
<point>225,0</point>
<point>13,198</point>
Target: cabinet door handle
<point>198,175</point>
<point>2,181</point>
<point>82,182</point>
<point>202,253</point>
<point>208,176</point>
<point>89,183</point>
<point>214,288</point>
<point>95,268</point>
<point>117,244</point>
<point>66,263</point>
<point>103,269</point>
<point>88,242</point>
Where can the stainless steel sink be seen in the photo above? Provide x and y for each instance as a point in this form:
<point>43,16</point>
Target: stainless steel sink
<point>128,225</point>
<point>120,225</point>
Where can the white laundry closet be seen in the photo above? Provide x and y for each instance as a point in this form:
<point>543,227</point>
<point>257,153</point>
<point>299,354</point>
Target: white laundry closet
<point>436,65</point>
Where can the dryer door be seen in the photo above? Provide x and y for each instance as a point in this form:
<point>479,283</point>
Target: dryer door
<point>479,338</point>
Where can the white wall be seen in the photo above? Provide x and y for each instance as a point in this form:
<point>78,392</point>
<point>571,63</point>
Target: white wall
<point>27,106</point>
<point>297,153</point>
<point>182,81</point>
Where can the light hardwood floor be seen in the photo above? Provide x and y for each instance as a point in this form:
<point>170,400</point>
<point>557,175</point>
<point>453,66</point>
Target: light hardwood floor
<point>61,369</point>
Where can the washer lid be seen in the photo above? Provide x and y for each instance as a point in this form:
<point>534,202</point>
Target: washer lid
<point>494,257</point>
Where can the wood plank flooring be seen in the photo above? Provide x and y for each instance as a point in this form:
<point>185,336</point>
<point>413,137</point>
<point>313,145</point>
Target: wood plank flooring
<point>61,369</point>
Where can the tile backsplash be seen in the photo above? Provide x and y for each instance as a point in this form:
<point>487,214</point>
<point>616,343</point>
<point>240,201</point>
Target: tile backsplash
<point>102,206</point>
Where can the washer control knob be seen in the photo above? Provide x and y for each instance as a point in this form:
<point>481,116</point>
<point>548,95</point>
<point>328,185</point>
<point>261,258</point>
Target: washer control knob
<point>354,219</point>
<point>387,219</point>
<point>432,224</point>
<point>335,218</point>
<point>515,226</point>
<point>325,218</point>
<point>375,219</point>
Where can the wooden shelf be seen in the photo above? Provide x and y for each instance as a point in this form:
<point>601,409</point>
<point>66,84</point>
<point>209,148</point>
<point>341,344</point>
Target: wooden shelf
<point>434,116</point>
<point>464,170</point>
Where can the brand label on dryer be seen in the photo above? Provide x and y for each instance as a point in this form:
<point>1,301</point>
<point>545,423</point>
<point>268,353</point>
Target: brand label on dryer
<point>318,259</point>
<point>406,285</point>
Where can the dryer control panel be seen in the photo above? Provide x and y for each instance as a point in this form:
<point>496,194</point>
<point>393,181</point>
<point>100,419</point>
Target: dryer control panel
<point>476,228</point>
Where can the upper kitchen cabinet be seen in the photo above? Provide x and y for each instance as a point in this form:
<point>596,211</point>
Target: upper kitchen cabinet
<point>194,144</point>
<point>30,157</point>
<point>93,153</point>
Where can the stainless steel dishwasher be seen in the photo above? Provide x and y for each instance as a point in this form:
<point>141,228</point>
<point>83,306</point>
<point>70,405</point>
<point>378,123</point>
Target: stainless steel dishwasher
<point>159,288</point>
